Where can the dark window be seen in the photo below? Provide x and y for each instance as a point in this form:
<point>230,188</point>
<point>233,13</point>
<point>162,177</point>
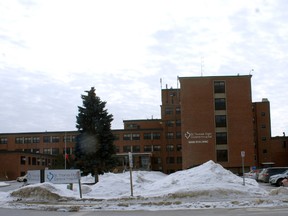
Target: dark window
<point>55,151</point>
<point>3,140</point>
<point>179,147</point>
<point>263,138</point>
<point>135,136</point>
<point>169,111</point>
<point>156,135</point>
<point>263,126</point>
<point>262,113</point>
<point>147,148</point>
<point>73,138</point>
<point>170,135</point>
<point>22,160</point>
<point>35,139</point>
<point>46,139</point>
<point>169,123</point>
<point>179,160</point>
<point>19,140</point>
<point>169,148</point>
<point>221,138</point>
<point>220,104</point>
<point>27,140</point>
<point>265,151</point>
<point>219,87</point>
<point>170,160</point>
<point>127,136</point>
<point>117,149</point>
<point>55,139</point>
<point>220,120</point>
<point>126,148</point>
<point>33,161</point>
<point>178,135</point>
<point>222,155</point>
<point>156,148</point>
<point>136,148</point>
<point>178,110</point>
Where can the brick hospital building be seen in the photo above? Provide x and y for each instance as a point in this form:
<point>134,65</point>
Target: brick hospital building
<point>207,118</point>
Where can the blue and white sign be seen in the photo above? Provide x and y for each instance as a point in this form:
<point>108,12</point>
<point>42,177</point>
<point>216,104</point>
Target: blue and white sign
<point>62,176</point>
<point>33,176</point>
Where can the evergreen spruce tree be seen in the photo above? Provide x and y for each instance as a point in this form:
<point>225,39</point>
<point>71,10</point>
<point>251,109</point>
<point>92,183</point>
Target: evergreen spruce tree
<point>94,150</point>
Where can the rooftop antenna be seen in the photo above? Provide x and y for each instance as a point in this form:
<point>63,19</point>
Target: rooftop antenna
<point>202,65</point>
<point>252,70</point>
<point>161,83</point>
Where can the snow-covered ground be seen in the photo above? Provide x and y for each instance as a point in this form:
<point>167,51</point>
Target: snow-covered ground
<point>205,186</point>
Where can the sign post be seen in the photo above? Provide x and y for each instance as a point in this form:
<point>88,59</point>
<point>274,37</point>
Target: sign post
<point>131,166</point>
<point>243,156</point>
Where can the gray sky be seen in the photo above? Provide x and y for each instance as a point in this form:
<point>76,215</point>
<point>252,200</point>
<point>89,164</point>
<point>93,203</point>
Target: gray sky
<point>52,51</point>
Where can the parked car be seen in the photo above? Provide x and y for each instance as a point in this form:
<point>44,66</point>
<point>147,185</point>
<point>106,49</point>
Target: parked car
<point>267,172</point>
<point>22,178</point>
<point>277,179</point>
<point>253,174</point>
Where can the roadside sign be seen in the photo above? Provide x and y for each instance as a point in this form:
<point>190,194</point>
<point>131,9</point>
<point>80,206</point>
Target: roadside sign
<point>62,176</point>
<point>242,153</point>
<point>33,176</point>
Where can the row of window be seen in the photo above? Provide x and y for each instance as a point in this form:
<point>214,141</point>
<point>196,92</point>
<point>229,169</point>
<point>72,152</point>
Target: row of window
<point>170,110</point>
<point>46,139</point>
<point>147,148</point>
<point>49,151</point>
<point>36,161</point>
<point>169,160</point>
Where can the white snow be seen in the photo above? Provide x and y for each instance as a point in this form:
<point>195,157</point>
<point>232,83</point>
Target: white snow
<point>206,186</point>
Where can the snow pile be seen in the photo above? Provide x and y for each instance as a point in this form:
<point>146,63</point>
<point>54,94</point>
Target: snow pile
<point>206,186</point>
<point>3,184</point>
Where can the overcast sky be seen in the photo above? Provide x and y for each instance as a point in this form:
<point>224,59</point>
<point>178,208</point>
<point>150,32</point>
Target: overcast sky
<point>52,51</point>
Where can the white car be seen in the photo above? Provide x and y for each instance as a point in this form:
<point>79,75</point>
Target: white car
<point>22,178</point>
<point>277,179</point>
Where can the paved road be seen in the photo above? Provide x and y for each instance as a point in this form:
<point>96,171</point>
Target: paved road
<point>206,212</point>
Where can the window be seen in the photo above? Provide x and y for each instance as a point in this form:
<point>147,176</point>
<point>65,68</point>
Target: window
<point>157,160</point>
<point>178,122</point>
<point>73,138</point>
<point>170,148</point>
<point>170,160</point>
<point>117,149</point>
<point>178,135</point>
<point>156,148</point>
<point>220,120</point>
<point>33,161</point>
<point>135,136</point>
<point>263,138</point>
<point>147,148</point>
<point>46,151</point>
<point>263,114</point>
<point>220,104</point>
<point>179,160</point>
<point>170,135</point>
<point>265,151</point>
<point>3,140</point>
<point>127,148</point>
<point>221,138</point>
<point>219,87</point>
<point>27,140</point>
<point>46,139</point>
<point>136,148</point>
<point>55,151</point>
<point>168,111</point>
<point>22,160</point>
<point>179,147</point>
<point>263,126</point>
<point>156,135</point>
<point>222,155</point>
<point>19,140</point>
<point>35,139</point>
<point>127,136</point>
<point>178,110</point>
<point>55,139</point>
<point>169,123</point>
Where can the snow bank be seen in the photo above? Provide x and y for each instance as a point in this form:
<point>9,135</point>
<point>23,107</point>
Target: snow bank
<point>209,179</point>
